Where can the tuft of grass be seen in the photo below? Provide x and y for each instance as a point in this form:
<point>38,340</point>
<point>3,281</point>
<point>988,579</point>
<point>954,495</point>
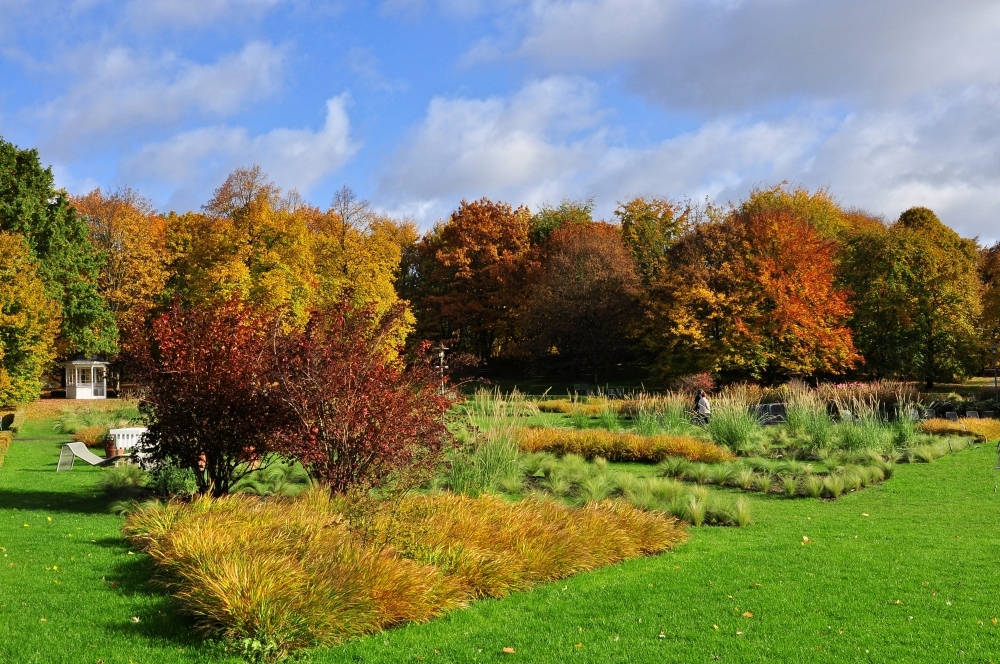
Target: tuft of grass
<point>833,486</point>
<point>123,482</point>
<point>762,483</point>
<point>789,485</point>
<point>813,485</point>
<point>742,510</point>
<point>744,478</point>
<point>732,424</point>
<point>5,438</point>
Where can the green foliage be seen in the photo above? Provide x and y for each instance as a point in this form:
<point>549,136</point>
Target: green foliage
<point>59,240</point>
<point>649,229</point>
<point>281,478</point>
<point>124,481</point>
<point>916,298</point>
<point>549,219</point>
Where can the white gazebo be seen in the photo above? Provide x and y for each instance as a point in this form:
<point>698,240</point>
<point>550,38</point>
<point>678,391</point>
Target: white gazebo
<point>86,378</point>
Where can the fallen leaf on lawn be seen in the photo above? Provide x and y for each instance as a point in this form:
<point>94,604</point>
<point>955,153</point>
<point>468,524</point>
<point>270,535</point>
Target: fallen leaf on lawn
<point>748,614</point>
<point>662,635</point>
<point>48,518</point>
<point>898,601</point>
<point>805,539</point>
<point>993,620</point>
<point>135,619</point>
<point>508,650</point>
<point>715,627</point>
<point>579,645</point>
<point>739,633</point>
<point>864,514</point>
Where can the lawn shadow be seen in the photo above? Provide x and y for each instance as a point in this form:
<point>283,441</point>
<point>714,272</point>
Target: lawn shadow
<point>53,501</point>
<point>160,618</point>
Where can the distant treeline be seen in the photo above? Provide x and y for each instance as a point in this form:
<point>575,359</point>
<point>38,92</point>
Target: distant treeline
<point>785,283</point>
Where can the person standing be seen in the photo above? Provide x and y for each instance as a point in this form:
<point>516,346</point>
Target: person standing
<point>703,407</point>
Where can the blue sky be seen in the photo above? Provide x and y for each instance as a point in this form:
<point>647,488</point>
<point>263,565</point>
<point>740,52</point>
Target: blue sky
<point>417,104</point>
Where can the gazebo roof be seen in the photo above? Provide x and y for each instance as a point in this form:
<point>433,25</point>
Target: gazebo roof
<point>80,358</point>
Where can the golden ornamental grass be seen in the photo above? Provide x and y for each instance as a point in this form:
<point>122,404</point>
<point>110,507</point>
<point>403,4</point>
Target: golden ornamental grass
<point>93,435</point>
<point>5,438</point>
<point>592,406</point>
<point>298,572</point>
<point>965,426</point>
<point>617,446</point>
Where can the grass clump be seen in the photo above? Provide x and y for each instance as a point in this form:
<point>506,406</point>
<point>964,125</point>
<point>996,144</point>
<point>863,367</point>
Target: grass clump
<point>732,424</point>
<point>619,446</point>
<point>325,570</point>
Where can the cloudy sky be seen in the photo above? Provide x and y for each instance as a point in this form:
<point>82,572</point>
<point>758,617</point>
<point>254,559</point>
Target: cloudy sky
<point>417,104</point>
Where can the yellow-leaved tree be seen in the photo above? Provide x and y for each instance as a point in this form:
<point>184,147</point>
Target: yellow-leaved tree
<point>356,248</point>
<point>29,322</point>
<point>132,236</point>
<point>248,241</point>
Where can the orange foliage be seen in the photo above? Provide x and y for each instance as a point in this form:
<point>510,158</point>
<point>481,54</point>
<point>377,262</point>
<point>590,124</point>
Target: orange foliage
<point>472,270</point>
<point>753,292</point>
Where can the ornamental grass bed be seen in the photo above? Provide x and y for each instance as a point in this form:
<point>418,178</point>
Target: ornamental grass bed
<point>314,570</point>
<point>618,446</point>
<point>965,426</point>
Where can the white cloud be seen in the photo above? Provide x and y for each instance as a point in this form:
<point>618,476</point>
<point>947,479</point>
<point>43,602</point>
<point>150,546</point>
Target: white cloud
<point>549,141</point>
<point>118,90</point>
<point>193,13</point>
<point>192,163</point>
<point>728,56</point>
<point>528,143</point>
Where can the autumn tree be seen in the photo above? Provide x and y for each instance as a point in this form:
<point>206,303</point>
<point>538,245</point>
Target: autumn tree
<point>649,228</point>
<point>247,242</point>
<point>358,250</point>
<point>916,298</point>
<point>548,218</point>
<point>465,279</point>
<point>29,322</point>
<point>989,274</point>
<point>356,415</point>
<point>754,293</point>
<point>132,236</point>
<point>58,240</point>
<point>208,370</point>
<point>583,309</point>
<point>817,208</point>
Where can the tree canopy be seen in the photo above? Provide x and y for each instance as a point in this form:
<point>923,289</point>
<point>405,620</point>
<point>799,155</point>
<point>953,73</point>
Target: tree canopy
<point>68,264</point>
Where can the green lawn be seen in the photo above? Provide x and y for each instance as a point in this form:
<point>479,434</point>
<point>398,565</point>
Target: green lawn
<point>918,579</point>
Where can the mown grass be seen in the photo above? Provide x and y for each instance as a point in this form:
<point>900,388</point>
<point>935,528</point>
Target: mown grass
<point>901,572</point>
<point>928,539</point>
<point>71,588</point>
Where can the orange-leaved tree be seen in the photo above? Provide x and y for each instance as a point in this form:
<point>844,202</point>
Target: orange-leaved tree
<point>754,293</point>
<point>132,236</point>
<point>466,276</point>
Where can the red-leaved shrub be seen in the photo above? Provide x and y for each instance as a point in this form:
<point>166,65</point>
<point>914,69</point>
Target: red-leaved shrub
<point>355,413</point>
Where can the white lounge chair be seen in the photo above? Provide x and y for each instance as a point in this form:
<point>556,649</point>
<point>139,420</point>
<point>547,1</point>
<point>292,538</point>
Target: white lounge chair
<point>72,451</point>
